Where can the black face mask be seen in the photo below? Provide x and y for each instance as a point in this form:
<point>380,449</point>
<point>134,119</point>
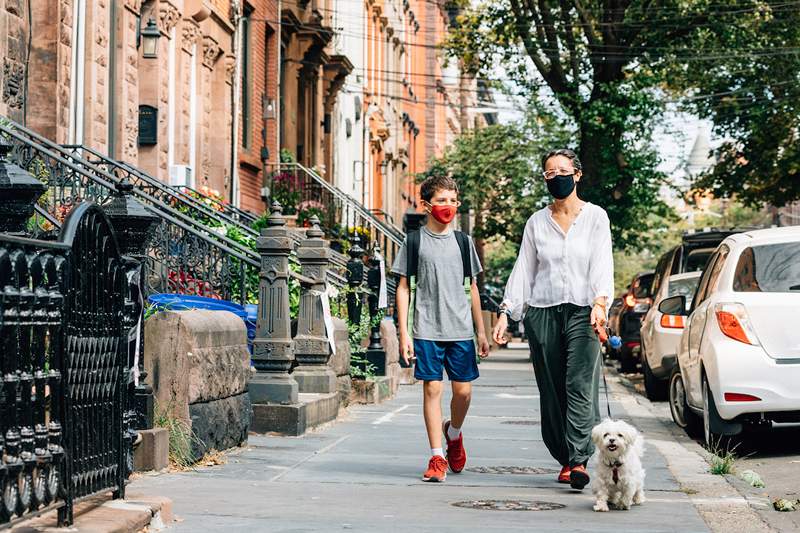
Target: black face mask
<point>561,186</point>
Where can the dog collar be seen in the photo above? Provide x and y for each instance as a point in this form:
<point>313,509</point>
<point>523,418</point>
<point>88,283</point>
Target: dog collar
<point>615,471</point>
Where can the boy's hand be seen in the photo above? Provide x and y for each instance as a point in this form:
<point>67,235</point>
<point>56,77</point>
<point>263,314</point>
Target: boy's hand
<point>406,347</point>
<point>499,332</point>
<point>483,346</point>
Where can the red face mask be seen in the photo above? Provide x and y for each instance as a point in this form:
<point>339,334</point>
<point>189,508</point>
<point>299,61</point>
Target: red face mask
<point>443,213</point>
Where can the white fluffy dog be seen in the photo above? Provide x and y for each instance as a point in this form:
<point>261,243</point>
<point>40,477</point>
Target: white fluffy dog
<point>619,480</point>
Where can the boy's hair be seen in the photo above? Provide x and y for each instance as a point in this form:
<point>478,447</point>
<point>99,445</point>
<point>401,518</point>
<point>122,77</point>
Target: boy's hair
<point>434,184</point>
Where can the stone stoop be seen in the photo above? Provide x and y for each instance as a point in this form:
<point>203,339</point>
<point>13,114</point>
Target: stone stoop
<point>101,515</point>
<point>372,390</point>
<point>295,419</point>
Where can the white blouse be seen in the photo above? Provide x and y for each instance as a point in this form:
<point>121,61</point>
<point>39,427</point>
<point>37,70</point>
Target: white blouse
<point>554,268</point>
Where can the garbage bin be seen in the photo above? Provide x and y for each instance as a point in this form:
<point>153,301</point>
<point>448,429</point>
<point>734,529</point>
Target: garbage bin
<point>183,302</point>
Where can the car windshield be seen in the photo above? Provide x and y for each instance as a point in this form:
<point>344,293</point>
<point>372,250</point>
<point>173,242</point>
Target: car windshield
<point>769,268</point>
<point>683,287</point>
<point>641,286</point>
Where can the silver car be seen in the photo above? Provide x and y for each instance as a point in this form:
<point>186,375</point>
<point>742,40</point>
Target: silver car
<point>661,333</point>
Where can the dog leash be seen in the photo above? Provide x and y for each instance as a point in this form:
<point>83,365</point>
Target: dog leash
<point>602,336</point>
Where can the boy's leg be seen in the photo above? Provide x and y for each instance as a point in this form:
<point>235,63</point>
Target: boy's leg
<point>432,409</point>
<point>543,327</point>
<point>583,367</point>
<point>459,403</point>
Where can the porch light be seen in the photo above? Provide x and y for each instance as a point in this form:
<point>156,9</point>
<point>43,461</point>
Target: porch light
<point>150,35</point>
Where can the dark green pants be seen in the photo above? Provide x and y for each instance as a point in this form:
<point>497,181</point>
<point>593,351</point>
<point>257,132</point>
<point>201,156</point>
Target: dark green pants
<point>565,354</point>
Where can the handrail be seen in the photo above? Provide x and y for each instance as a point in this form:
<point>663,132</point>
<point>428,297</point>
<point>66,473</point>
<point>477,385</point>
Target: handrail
<point>174,192</point>
<point>110,182</point>
<point>395,233</point>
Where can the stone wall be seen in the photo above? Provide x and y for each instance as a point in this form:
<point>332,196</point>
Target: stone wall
<point>341,361</point>
<point>199,366</point>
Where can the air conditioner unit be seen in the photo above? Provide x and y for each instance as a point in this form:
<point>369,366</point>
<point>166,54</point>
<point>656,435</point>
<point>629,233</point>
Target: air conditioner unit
<point>181,176</point>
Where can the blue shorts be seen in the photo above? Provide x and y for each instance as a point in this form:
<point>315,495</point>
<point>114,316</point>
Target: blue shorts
<point>457,357</point>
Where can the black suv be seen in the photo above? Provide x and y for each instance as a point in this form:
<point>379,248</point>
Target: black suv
<point>634,305</point>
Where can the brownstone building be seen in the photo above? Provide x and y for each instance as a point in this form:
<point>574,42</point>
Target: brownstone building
<point>92,80</point>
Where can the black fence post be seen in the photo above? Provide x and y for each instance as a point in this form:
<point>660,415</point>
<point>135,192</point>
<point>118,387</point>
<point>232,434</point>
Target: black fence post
<point>355,278</point>
<point>273,347</point>
<point>135,226</point>
<point>375,352</point>
<point>19,191</point>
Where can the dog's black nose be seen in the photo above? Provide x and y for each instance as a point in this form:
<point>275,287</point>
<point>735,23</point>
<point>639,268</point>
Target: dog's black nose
<point>611,441</point>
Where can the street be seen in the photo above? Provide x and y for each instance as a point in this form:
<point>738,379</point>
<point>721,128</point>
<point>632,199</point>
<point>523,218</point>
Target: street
<point>362,473</point>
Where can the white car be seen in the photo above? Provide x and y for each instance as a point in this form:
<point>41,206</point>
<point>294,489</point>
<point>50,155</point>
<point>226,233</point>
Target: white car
<point>660,334</point>
<point>739,353</point>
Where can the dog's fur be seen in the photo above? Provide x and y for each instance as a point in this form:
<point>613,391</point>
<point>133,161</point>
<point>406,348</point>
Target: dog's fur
<point>620,447</point>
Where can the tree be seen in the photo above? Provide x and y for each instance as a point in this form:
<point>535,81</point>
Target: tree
<point>498,173</point>
<point>753,98</point>
<point>603,66</point>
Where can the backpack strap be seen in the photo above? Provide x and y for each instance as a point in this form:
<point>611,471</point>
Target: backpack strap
<point>412,264</point>
<point>463,244</point>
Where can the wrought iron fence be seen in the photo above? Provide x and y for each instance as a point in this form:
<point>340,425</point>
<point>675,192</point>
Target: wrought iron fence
<point>66,368</point>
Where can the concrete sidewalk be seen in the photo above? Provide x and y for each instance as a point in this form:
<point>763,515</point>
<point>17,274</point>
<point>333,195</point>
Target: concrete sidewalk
<point>363,473</point>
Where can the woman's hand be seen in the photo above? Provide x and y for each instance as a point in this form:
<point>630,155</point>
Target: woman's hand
<point>499,331</point>
<point>598,318</point>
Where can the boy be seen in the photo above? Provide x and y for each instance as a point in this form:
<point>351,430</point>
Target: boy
<point>438,267</point>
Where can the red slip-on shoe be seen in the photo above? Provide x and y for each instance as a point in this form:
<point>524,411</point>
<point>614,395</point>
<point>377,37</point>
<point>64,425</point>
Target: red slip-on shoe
<point>437,469</point>
<point>563,476</point>
<point>456,454</point>
<point>578,477</point>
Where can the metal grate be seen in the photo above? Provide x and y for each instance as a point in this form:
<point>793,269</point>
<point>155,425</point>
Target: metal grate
<point>521,422</point>
<point>509,505</point>
<point>530,470</point>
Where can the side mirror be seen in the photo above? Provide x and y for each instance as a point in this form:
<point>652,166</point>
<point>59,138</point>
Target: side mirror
<point>675,306</point>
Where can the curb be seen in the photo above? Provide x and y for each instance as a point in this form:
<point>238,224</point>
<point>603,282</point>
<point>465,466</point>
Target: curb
<point>101,515</point>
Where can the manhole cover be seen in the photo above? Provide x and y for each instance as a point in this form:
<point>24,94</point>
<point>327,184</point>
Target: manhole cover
<point>521,422</point>
<point>509,505</point>
<point>510,470</point>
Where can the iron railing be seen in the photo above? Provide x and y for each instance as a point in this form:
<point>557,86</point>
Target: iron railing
<point>66,368</point>
<point>303,192</point>
<point>184,199</point>
<point>185,256</point>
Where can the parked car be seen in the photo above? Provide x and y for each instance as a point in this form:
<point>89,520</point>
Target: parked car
<point>635,304</point>
<point>613,323</point>
<point>692,254</point>
<point>739,353</point>
<point>660,334</point>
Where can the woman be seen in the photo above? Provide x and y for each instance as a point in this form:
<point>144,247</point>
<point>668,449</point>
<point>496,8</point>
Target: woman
<point>561,284</point>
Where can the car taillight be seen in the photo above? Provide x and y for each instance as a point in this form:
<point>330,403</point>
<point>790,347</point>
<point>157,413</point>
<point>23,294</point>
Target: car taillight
<point>630,300</point>
<point>734,323</point>
<point>672,321</point>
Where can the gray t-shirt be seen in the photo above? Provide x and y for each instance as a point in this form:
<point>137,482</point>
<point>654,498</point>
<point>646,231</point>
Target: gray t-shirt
<point>442,311</point>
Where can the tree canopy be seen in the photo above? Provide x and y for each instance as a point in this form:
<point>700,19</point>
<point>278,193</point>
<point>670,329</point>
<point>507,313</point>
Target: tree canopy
<point>608,68</point>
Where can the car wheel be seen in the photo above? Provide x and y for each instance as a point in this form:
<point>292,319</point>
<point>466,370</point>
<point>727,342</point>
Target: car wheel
<point>682,414</point>
<point>655,389</point>
<point>715,441</point>
<point>627,363</point>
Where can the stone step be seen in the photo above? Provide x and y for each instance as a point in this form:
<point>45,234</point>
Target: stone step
<point>310,411</point>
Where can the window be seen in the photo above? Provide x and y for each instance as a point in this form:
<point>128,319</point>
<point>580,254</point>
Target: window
<point>769,268</point>
<point>247,119</point>
<point>708,283</point>
<point>641,286</point>
<point>683,287</point>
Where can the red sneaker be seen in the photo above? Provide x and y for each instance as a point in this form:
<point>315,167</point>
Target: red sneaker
<point>563,476</point>
<point>437,469</point>
<point>456,454</point>
<point>578,478</point>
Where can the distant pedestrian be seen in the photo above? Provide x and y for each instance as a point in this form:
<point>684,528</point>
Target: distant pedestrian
<point>560,287</point>
<point>439,312</point>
